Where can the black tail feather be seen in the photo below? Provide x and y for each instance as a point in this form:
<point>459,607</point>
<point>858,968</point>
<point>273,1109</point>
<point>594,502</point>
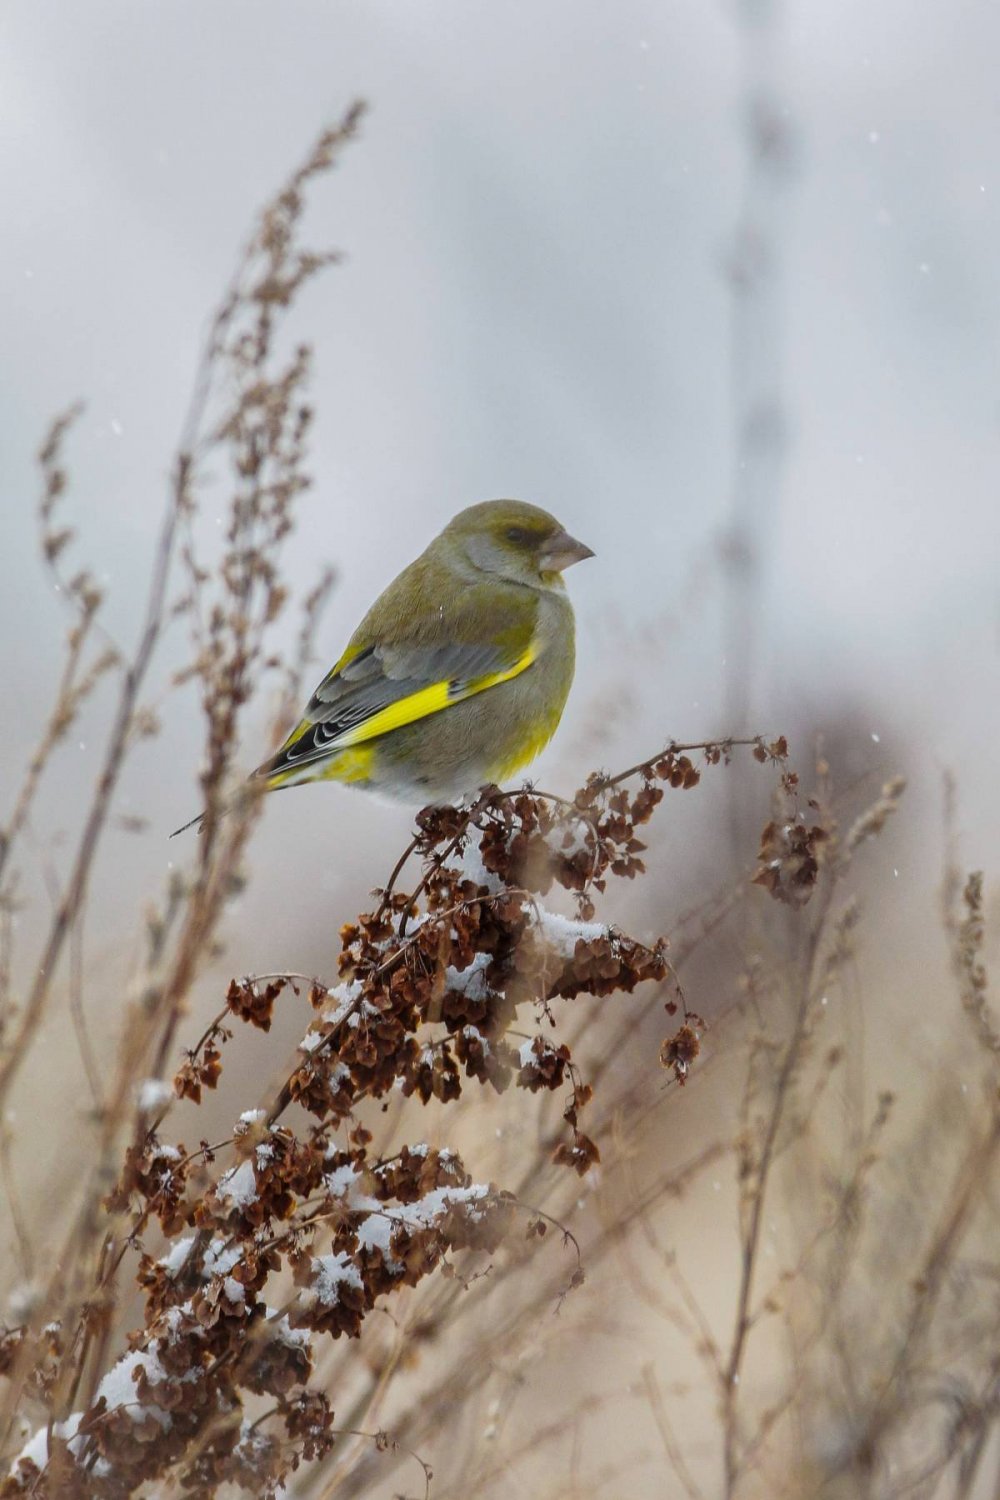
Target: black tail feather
<point>200,820</point>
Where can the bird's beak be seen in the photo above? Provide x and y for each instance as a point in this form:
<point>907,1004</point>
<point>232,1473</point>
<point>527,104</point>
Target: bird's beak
<point>562,551</point>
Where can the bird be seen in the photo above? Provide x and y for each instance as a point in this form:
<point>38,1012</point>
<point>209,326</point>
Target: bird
<point>457,676</point>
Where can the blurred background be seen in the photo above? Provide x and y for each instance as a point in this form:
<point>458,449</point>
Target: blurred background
<point>717,284</point>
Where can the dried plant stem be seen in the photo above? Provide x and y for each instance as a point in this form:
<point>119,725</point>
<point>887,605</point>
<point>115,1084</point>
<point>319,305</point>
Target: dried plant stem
<point>76,889</point>
<point>671,1446</point>
<point>750,1237</point>
<point>937,1263</point>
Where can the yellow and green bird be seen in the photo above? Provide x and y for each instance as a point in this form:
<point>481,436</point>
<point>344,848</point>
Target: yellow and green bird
<point>458,674</point>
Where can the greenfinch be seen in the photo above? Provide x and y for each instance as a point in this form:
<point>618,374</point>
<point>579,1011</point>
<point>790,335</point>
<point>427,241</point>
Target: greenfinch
<point>458,674</point>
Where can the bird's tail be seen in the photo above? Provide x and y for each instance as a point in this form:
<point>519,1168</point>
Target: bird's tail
<point>239,798</point>
<point>200,820</point>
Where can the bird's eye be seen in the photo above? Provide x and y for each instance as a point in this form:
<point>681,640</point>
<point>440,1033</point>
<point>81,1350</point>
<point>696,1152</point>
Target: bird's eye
<point>518,535</point>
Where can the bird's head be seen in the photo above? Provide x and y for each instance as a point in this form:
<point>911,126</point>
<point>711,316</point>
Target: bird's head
<point>510,539</point>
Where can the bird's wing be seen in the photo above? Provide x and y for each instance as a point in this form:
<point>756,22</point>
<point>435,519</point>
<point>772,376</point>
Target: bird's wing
<point>375,689</point>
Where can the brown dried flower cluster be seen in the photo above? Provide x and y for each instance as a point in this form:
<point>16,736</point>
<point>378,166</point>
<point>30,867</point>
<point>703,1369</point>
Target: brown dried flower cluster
<point>290,1233</point>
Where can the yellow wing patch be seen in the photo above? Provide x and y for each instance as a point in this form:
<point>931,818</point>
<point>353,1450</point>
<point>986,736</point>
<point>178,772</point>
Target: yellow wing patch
<point>348,756</point>
<point>349,766</point>
<point>427,701</point>
<point>419,705</point>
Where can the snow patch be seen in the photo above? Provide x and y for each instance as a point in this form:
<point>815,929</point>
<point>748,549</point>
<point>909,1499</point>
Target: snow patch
<point>119,1390</point>
<point>576,842</point>
<point>376,1234</point>
<point>346,997</point>
<point>153,1093</point>
<point>470,981</point>
<point>239,1185</point>
<point>563,933</point>
<point>340,1181</point>
<point>296,1338</point>
<point>435,1204</point>
<point>470,862</point>
<point>220,1258</point>
<point>474,1034</point>
<point>36,1449</point>
<point>331,1272</point>
<point>173,1262</point>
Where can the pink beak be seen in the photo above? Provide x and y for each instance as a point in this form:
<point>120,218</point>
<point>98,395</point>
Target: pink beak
<point>562,551</point>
